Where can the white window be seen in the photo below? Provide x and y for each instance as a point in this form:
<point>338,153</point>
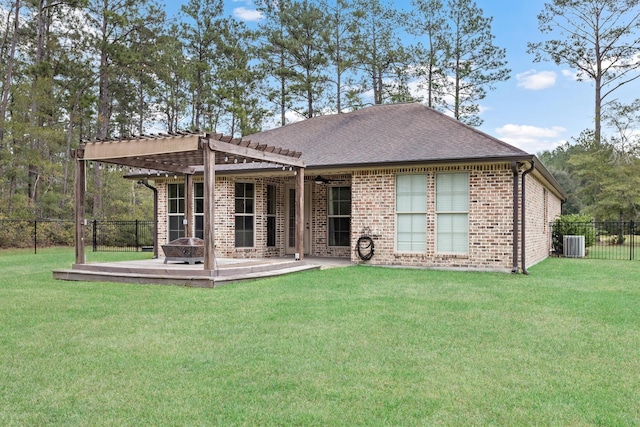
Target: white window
<point>411,213</point>
<point>452,213</point>
<point>271,215</point>
<point>175,201</point>
<point>339,216</point>
<point>198,204</point>
<point>245,214</point>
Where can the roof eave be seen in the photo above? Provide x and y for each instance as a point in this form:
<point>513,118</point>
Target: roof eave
<point>539,166</point>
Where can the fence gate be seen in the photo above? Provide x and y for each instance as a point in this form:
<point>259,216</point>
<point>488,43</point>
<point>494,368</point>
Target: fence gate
<point>121,236</point>
<point>610,240</point>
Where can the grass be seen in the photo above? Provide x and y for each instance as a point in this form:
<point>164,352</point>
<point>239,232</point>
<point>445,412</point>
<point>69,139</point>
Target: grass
<point>351,346</point>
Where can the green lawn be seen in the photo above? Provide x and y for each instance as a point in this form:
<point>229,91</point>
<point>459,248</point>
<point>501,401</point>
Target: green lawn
<point>348,346</point>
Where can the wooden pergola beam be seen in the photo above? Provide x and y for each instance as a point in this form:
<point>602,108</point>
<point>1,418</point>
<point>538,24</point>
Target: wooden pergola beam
<point>300,214</point>
<point>122,149</point>
<point>209,209</point>
<point>80,189</point>
<point>180,154</point>
<point>155,165</point>
<point>254,153</point>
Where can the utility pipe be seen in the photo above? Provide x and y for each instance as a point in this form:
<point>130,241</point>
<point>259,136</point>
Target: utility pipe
<point>524,227</point>
<point>145,182</point>
<point>515,167</point>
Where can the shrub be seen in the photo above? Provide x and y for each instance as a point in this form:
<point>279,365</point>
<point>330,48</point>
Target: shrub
<point>572,225</point>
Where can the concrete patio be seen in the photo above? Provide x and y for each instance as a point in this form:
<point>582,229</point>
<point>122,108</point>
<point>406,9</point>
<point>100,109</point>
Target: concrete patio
<point>227,270</point>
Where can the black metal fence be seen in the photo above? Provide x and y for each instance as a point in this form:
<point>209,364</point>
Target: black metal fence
<point>105,236</point>
<point>121,236</point>
<point>17,233</point>
<point>612,240</point>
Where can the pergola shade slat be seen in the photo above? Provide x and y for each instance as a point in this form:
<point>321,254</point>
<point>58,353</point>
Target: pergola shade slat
<point>181,153</point>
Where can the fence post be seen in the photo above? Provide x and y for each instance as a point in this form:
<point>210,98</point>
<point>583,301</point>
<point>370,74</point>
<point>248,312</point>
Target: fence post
<point>632,237</point>
<point>35,236</point>
<point>95,235</point>
<point>137,237</point>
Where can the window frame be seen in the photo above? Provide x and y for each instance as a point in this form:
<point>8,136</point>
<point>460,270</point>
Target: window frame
<point>416,246</point>
<point>271,215</point>
<point>331,240</point>
<point>441,212</point>
<point>245,214</point>
<point>172,233</point>
<point>198,214</point>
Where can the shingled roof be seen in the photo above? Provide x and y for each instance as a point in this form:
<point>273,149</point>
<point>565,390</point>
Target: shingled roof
<point>396,133</point>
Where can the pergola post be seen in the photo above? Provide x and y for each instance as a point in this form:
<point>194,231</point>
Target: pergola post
<point>300,214</point>
<point>182,153</point>
<point>209,207</point>
<point>188,206</point>
<point>80,189</point>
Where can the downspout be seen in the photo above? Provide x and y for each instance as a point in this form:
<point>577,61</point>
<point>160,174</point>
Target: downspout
<point>514,168</point>
<point>524,227</point>
<point>155,215</point>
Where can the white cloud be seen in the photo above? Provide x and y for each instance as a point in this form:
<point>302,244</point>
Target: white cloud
<point>570,74</point>
<point>247,15</point>
<point>536,80</point>
<point>531,139</point>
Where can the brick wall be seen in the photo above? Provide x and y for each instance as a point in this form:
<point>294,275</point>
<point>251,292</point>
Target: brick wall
<point>373,212</point>
<point>490,217</point>
<point>225,216</point>
<point>541,208</point>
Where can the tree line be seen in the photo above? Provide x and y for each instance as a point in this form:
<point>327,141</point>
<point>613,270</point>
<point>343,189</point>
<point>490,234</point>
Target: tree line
<point>74,70</point>
<point>78,70</point>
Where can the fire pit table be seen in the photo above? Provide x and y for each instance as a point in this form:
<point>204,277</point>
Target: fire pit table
<point>184,249</point>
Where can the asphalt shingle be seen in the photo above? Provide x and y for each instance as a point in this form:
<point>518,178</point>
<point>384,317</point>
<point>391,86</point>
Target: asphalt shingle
<point>380,134</point>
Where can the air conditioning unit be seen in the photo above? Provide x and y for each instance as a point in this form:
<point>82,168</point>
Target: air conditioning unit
<point>573,246</point>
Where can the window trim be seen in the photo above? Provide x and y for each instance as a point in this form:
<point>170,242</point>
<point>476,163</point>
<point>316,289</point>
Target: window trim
<point>330,216</point>
<point>244,215</point>
<point>197,214</point>
<point>272,215</point>
<point>423,213</point>
<point>180,215</point>
<point>451,212</point>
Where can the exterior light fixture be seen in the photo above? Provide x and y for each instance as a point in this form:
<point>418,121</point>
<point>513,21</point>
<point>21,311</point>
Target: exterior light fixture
<point>320,180</point>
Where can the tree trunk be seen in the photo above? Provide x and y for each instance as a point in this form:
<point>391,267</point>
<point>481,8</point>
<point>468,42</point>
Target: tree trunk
<point>456,100</point>
<point>141,105</point>
<point>283,94</point>
<point>6,87</point>
<point>598,110</point>
<point>339,71</point>
<point>103,112</point>
<point>34,121</point>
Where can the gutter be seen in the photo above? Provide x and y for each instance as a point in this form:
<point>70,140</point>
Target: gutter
<point>145,182</point>
<point>524,174</point>
<point>514,167</point>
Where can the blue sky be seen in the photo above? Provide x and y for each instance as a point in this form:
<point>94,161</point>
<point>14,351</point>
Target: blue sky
<point>539,107</point>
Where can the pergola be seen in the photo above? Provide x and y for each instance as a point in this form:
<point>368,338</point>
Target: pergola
<point>181,153</point>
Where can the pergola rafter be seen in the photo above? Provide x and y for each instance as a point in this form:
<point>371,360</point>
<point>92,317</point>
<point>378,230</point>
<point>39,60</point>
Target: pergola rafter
<point>182,153</point>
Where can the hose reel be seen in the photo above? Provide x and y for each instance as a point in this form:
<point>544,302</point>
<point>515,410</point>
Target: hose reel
<point>365,245</point>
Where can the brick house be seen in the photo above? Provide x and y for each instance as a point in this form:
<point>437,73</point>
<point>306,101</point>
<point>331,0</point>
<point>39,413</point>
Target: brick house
<point>427,190</point>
